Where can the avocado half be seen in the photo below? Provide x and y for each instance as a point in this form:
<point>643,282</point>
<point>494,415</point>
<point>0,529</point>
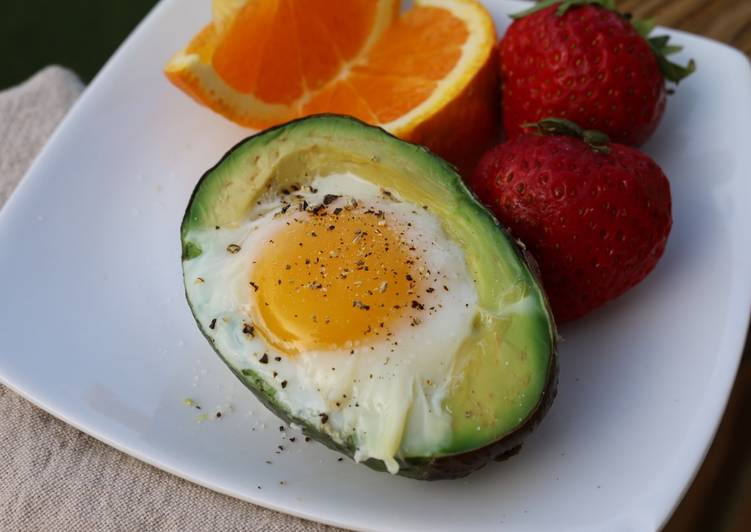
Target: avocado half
<point>493,404</point>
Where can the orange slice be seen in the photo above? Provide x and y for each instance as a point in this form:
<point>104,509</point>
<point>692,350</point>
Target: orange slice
<point>425,75</point>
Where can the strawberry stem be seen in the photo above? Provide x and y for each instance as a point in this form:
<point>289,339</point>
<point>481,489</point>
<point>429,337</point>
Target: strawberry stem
<point>565,5</point>
<point>597,140</point>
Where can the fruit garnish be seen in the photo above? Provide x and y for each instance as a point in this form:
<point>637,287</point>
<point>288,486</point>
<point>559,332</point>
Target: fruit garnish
<point>585,61</point>
<point>595,214</point>
<point>672,71</point>
<point>427,75</point>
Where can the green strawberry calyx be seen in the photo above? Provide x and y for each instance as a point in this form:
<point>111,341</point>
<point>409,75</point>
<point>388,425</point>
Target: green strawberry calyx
<point>662,49</point>
<point>659,43</point>
<point>596,140</point>
<point>564,6</point>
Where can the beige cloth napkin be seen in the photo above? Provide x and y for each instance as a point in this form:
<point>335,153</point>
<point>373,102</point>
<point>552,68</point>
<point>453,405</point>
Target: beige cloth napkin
<point>52,476</point>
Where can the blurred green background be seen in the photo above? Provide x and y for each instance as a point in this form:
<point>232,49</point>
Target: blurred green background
<point>79,34</point>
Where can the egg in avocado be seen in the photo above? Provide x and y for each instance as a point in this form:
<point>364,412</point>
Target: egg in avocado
<point>352,282</point>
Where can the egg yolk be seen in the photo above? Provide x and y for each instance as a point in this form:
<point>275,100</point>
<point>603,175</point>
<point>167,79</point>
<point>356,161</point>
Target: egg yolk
<point>335,279</point>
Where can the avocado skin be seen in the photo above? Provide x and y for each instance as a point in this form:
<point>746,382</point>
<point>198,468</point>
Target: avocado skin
<point>444,467</point>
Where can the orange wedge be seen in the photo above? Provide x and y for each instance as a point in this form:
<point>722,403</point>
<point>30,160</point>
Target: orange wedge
<point>426,75</point>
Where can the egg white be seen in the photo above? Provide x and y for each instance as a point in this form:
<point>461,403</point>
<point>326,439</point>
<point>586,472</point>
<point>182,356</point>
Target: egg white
<point>384,399</point>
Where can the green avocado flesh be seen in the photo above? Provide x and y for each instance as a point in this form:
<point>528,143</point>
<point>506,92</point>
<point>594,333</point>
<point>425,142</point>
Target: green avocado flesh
<point>505,370</point>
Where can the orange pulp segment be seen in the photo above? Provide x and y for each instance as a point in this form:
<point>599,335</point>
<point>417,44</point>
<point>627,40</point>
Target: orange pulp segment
<point>414,74</point>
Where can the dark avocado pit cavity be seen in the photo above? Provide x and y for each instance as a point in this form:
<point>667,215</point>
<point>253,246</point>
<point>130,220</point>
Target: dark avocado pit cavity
<point>508,362</point>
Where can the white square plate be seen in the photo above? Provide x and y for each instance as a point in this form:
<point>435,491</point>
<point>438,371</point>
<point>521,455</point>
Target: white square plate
<point>95,328</point>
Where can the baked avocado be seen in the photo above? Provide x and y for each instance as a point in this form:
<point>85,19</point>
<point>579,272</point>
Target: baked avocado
<point>462,372</point>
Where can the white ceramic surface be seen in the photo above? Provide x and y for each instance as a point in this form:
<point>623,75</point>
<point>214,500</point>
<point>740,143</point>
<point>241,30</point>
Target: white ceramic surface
<point>95,328</point>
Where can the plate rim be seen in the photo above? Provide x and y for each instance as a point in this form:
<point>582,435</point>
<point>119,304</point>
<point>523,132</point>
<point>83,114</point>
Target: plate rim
<point>736,336</point>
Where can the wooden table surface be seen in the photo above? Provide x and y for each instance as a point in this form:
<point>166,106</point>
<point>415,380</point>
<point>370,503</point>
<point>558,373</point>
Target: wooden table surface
<point>725,20</point>
<point>720,496</point>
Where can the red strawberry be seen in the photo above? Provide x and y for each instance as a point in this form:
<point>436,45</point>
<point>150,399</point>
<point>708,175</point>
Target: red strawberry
<point>583,61</point>
<point>595,215</point>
